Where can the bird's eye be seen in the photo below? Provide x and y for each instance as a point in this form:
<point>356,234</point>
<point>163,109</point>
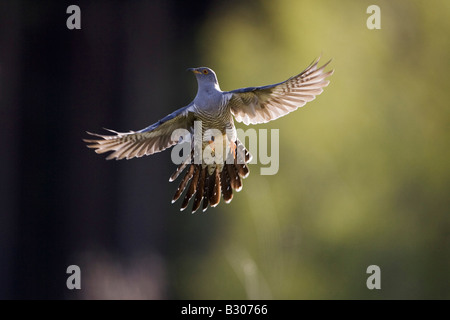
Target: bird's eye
<point>205,71</point>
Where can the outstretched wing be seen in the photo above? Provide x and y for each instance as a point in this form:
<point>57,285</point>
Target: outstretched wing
<point>263,104</point>
<point>152,139</point>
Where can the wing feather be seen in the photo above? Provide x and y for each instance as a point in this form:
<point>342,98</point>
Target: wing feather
<point>155,138</point>
<point>262,104</point>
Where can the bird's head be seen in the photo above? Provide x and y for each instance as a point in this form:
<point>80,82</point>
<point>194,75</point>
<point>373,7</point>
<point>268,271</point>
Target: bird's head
<point>205,76</point>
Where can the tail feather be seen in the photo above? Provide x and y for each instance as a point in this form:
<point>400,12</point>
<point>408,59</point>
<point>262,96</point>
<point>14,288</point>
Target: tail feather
<point>242,170</point>
<point>214,197</point>
<point>192,187</point>
<point>183,183</point>
<point>200,190</point>
<point>180,169</point>
<point>206,188</point>
<point>235,179</point>
<point>242,154</point>
<point>227,190</point>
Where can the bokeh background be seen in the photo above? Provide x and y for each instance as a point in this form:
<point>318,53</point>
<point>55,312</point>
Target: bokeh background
<point>364,174</point>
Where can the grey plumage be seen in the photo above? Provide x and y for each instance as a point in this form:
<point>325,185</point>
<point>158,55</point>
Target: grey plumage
<point>204,182</point>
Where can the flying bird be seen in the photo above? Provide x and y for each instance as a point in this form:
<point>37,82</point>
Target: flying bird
<point>206,181</point>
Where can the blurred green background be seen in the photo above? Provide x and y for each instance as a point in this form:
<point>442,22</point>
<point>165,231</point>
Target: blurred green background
<point>364,169</point>
<point>364,176</point>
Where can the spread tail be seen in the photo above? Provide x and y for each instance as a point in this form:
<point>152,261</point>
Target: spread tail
<point>206,183</point>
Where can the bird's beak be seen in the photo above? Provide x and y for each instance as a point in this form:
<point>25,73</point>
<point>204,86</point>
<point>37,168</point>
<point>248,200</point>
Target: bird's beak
<point>194,70</point>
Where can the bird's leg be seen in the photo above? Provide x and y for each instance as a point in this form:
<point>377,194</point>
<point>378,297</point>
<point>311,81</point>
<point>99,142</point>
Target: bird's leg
<point>233,148</point>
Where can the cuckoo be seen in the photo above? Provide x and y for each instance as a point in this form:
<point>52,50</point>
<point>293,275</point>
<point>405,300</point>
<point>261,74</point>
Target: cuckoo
<point>207,180</point>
